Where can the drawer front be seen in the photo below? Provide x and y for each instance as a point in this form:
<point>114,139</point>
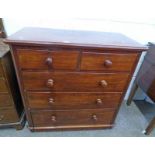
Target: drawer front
<point>5,100</point>
<point>74,100</point>
<point>75,82</point>
<point>8,115</point>
<point>75,117</point>
<point>42,59</point>
<point>3,87</point>
<point>108,62</point>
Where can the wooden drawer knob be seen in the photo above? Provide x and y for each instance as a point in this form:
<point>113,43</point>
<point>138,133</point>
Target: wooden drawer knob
<point>50,100</point>
<point>1,117</point>
<point>53,118</point>
<point>104,83</point>
<point>49,61</point>
<point>94,117</point>
<point>50,83</point>
<point>107,63</point>
<point>99,102</point>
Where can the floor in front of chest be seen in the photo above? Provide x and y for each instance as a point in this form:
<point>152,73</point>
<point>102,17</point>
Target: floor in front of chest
<point>129,122</point>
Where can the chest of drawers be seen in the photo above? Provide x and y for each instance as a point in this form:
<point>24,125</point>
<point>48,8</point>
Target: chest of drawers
<point>72,79</point>
<point>11,108</point>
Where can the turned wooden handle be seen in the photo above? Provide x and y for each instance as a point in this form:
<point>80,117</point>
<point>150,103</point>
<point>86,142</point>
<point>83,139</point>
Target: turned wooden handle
<point>50,83</point>
<point>50,100</point>
<point>107,63</point>
<point>53,118</point>
<point>94,117</point>
<point>104,83</point>
<point>49,61</point>
<point>99,101</point>
<point>1,117</point>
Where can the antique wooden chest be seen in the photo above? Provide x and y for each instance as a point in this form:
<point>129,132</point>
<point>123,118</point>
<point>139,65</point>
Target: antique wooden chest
<point>72,79</point>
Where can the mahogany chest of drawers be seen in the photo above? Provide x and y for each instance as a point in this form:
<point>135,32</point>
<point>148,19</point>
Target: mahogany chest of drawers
<point>72,79</point>
<point>11,107</point>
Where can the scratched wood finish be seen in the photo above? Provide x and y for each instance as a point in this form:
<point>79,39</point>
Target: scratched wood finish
<point>99,61</point>
<point>72,70</point>
<point>73,100</point>
<point>77,82</point>
<point>44,59</point>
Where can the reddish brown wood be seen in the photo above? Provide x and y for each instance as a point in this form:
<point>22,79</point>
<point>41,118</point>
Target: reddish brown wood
<point>73,100</point>
<point>73,38</point>
<point>77,82</point>
<point>74,64</point>
<point>73,117</point>
<point>108,61</point>
<point>37,59</point>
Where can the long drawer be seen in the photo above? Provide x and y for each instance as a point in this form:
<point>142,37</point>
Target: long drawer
<point>8,115</point>
<point>75,82</point>
<point>44,59</point>
<point>74,117</point>
<point>5,100</point>
<point>108,61</point>
<point>73,100</point>
<point>3,87</point>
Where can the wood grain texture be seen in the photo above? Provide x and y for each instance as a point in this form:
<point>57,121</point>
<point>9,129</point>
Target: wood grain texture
<point>74,38</point>
<point>63,74</point>
<point>38,59</point>
<point>5,100</point>
<point>74,117</point>
<point>11,108</point>
<point>73,81</point>
<point>73,100</point>
<point>97,61</point>
<point>3,86</point>
<point>8,115</point>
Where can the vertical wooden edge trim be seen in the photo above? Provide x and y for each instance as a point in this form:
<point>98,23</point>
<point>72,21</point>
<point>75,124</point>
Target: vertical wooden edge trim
<point>17,70</point>
<point>127,85</point>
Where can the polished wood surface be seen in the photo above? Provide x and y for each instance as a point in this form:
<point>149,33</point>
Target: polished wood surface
<point>73,117</point>
<point>72,79</point>
<point>65,81</point>
<point>73,38</point>
<point>72,100</point>
<point>44,59</point>
<point>108,61</point>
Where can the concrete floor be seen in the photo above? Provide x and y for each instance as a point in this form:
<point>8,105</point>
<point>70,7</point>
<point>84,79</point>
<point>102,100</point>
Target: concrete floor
<point>130,122</point>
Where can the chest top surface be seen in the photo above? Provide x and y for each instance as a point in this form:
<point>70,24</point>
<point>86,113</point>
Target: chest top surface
<point>46,36</point>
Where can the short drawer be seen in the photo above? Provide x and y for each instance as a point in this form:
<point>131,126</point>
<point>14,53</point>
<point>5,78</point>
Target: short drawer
<point>74,117</point>
<point>44,59</point>
<point>3,87</point>
<point>73,100</point>
<point>75,82</point>
<point>108,61</point>
<point>5,100</point>
<point>8,115</point>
